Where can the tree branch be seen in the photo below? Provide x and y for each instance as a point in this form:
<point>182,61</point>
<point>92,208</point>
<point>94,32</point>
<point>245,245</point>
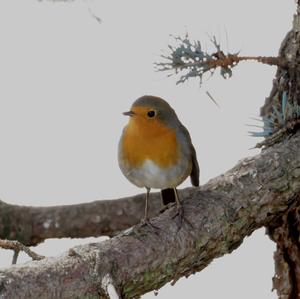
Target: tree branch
<point>192,61</point>
<point>32,225</point>
<point>225,210</point>
<point>229,60</point>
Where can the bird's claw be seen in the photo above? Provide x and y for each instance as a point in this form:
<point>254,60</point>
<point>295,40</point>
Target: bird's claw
<point>180,214</point>
<point>147,222</point>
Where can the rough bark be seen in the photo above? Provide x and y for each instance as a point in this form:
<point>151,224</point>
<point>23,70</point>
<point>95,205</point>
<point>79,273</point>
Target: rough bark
<point>287,78</point>
<point>255,193</point>
<point>286,230</point>
<point>32,225</point>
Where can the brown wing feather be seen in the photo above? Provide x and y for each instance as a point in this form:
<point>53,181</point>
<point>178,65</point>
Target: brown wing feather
<point>168,195</point>
<point>195,166</point>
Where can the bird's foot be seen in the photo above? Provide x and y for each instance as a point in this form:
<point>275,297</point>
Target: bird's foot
<point>181,217</point>
<point>147,222</point>
<point>166,207</point>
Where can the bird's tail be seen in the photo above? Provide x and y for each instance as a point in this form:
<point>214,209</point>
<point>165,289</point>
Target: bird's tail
<point>167,196</point>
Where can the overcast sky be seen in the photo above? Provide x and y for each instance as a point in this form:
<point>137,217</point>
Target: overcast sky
<point>66,78</point>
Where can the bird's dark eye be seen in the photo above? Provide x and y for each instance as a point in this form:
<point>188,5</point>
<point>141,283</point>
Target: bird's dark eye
<point>151,113</point>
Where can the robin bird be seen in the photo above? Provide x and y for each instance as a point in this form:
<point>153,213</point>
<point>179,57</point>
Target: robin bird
<point>155,149</point>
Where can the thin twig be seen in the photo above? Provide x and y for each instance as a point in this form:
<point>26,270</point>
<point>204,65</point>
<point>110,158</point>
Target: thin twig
<point>233,59</point>
<point>211,97</point>
<point>99,20</point>
<point>17,246</point>
<point>15,256</point>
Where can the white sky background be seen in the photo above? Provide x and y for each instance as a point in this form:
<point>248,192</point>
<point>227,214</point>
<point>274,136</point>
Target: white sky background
<point>65,79</point>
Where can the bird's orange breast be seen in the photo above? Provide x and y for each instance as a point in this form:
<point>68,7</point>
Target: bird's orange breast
<point>149,140</point>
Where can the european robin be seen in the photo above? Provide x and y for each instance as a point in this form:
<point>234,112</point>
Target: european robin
<point>155,149</point>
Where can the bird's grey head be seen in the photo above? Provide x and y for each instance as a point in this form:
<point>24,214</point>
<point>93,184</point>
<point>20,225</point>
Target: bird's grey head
<point>157,108</point>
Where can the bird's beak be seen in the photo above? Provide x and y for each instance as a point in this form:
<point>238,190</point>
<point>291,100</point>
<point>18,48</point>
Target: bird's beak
<point>129,113</point>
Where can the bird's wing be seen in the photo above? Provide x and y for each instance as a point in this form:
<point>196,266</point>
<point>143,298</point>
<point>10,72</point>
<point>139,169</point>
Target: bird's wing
<point>195,166</point>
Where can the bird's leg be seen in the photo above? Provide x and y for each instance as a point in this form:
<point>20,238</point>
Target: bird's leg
<point>145,220</point>
<point>178,203</point>
<point>180,211</point>
<point>146,205</point>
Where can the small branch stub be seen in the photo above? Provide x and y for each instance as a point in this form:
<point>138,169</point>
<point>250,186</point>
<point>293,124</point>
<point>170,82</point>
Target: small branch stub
<point>17,247</point>
<point>110,291</point>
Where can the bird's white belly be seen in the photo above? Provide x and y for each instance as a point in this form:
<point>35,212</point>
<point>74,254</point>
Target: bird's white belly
<point>152,176</point>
